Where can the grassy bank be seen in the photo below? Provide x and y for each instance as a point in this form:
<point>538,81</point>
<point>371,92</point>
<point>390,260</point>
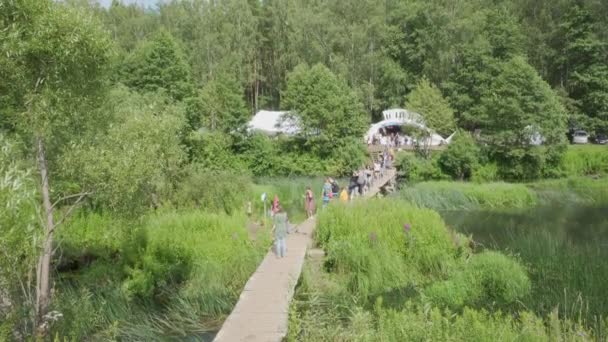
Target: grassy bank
<point>572,190</point>
<point>170,275</point>
<point>445,195</point>
<point>583,160</point>
<point>393,272</point>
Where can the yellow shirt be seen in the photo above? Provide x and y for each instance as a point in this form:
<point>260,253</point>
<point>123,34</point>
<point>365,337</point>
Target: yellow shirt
<point>343,196</point>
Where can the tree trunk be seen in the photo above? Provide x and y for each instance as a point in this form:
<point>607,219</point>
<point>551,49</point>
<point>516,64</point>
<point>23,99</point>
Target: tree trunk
<point>43,279</point>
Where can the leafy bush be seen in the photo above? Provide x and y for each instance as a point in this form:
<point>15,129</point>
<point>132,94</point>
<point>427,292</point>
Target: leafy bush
<point>415,169</point>
<point>452,195</point>
<point>485,173</point>
<point>19,233</point>
<point>489,277</point>
<point>213,190</point>
<point>461,159</point>
<point>213,151</point>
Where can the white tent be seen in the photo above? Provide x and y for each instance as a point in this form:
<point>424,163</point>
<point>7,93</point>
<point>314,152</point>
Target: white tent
<point>404,117</point>
<point>272,123</point>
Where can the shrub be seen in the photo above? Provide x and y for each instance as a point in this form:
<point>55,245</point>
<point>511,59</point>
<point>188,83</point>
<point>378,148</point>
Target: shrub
<point>213,190</point>
<point>489,277</point>
<point>485,173</point>
<point>370,244</point>
<point>415,169</point>
<point>461,158</point>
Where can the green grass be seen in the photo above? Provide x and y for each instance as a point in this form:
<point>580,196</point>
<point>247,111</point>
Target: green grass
<point>445,195</point>
<point>171,275</point>
<point>582,160</point>
<point>572,190</point>
<point>382,282</point>
<point>291,194</point>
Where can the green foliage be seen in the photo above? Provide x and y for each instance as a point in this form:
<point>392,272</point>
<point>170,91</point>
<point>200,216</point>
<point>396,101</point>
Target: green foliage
<point>223,107</point>
<point>213,190</point>
<point>461,159</point>
<point>57,57</point>
<point>583,160</point>
<point>573,189</point>
<point>213,151</point>
<point>19,238</point>
<point>158,64</point>
<point>136,162</point>
<point>415,169</point>
<point>583,60</point>
<point>367,243</point>
<point>427,100</point>
<point>489,277</point>
<point>290,191</point>
<point>329,114</point>
<point>523,106</point>
<point>486,173</point>
<point>453,195</point>
<point>155,279</point>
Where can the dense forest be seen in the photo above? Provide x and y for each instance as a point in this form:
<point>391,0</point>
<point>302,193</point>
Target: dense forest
<point>118,111</point>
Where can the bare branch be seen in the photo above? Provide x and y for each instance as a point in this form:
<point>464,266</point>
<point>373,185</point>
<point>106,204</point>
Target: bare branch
<point>67,214</point>
<point>68,197</point>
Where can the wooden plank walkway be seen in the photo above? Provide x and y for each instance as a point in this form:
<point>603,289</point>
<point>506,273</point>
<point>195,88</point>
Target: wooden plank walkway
<point>262,311</point>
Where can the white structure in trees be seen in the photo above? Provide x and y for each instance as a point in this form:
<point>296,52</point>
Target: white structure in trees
<point>404,117</point>
<point>273,123</point>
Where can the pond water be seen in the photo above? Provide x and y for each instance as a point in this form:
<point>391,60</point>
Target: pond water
<point>565,249</point>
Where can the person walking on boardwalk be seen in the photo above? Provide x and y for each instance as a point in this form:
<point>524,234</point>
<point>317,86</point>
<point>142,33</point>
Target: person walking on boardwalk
<point>344,196</point>
<point>280,231</point>
<point>275,205</point>
<point>309,203</point>
<point>326,193</point>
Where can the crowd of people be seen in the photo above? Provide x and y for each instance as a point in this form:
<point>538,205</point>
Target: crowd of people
<point>395,139</point>
<point>360,183</point>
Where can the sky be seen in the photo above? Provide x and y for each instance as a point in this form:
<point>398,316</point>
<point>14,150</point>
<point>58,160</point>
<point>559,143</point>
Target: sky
<point>146,3</point>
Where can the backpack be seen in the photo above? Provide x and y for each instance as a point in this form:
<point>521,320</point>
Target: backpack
<point>335,188</point>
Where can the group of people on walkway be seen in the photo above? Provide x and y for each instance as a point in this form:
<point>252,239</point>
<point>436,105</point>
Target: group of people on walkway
<point>360,183</point>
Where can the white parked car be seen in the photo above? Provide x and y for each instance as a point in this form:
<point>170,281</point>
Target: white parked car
<point>580,137</point>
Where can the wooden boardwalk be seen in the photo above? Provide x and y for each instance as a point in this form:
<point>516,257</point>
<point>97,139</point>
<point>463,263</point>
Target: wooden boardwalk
<point>262,311</point>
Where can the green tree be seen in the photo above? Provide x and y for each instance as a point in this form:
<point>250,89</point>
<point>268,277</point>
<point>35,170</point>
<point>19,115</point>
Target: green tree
<point>19,227</point>
<point>158,64</point>
<point>223,106</point>
<point>469,84</point>
<point>136,163</point>
<point>584,64</point>
<point>59,55</point>
<point>461,158</point>
<point>427,100</point>
<point>326,109</point>
<point>523,108</point>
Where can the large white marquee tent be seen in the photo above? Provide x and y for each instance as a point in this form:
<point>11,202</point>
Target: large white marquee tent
<point>273,123</point>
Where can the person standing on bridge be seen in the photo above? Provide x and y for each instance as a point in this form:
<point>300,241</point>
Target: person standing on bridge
<point>309,203</point>
<point>326,192</point>
<point>280,231</point>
